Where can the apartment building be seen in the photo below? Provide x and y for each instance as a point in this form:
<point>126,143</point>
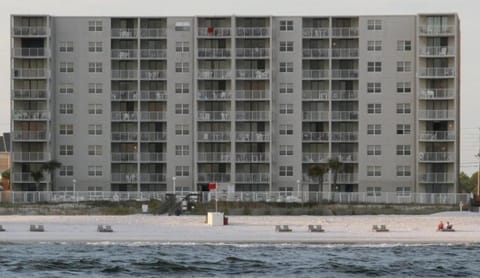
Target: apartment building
<point>250,103</point>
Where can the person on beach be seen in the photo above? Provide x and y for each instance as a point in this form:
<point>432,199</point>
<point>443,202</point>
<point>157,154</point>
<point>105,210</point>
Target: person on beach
<point>440,226</point>
<point>449,226</point>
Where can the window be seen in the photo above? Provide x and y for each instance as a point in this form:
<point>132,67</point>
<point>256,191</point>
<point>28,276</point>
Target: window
<point>404,66</point>
<point>181,67</point>
<point>286,88</point>
<point>95,25</point>
<point>374,24</point>
<point>65,129</point>
<point>66,108</point>
<point>286,46</point>
<point>374,45</point>
<point>95,67</point>
<point>66,171</point>
<point>374,108</point>
<point>403,191</point>
<point>286,149</point>
<point>403,129</point>
<point>403,45</point>
<point>95,109</point>
<point>374,66</point>
<point>95,150</point>
<point>286,66</point>
<point>374,129</point>
<point>65,88</point>
<point>95,46</point>
<point>182,26</point>
<point>181,109</point>
<point>286,25</point>
<point>182,129</point>
<point>286,108</point>
<point>182,171</point>
<point>374,171</point>
<point>65,150</point>
<point>374,150</point>
<point>403,171</point>
<point>404,150</point>
<point>286,171</point>
<point>374,87</point>
<point>286,129</point>
<point>404,87</point>
<point>95,88</point>
<point>374,191</point>
<point>66,67</point>
<point>182,88</point>
<point>182,46</point>
<point>95,170</point>
<point>404,108</point>
<point>95,129</point>
<point>182,150</point>
<point>65,46</point>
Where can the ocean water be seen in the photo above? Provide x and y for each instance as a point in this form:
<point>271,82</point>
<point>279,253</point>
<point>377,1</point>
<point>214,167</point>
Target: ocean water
<point>145,259</point>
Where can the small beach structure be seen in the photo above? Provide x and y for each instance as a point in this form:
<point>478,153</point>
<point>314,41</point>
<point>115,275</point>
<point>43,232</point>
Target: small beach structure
<point>380,228</point>
<point>282,228</point>
<point>37,228</point>
<point>103,228</point>
<point>2,229</point>
<point>315,228</point>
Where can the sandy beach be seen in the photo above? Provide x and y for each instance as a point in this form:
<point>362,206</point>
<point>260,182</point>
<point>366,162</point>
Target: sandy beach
<point>242,229</point>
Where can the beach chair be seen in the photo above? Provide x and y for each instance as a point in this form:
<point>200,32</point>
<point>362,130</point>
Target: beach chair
<point>374,228</point>
<point>102,228</point>
<point>2,229</point>
<point>381,228</point>
<point>315,228</point>
<point>282,228</point>
<point>37,228</point>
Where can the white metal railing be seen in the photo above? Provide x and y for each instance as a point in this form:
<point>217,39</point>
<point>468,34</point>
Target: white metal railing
<point>214,31</point>
<point>252,74</point>
<point>124,95</point>
<point>124,136</point>
<point>252,52</point>
<point>252,177</point>
<point>315,52</point>
<point>153,32</point>
<point>315,74</point>
<point>344,136</point>
<point>344,31</point>
<point>345,157</point>
<point>30,94</point>
<point>214,115</point>
<point>252,94</point>
<point>124,53</point>
<point>344,73</point>
<point>248,136</point>
<point>214,74</point>
<point>153,156</point>
<point>213,177</point>
<point>153,115</point>
<point>214,95</point>
<point>437,72</point>
<point>124,177</point>
<point>152,177</point>
<point>315,136</point>
<point>437,51</point>
<point>309,157</point>
<point>344,94</point>
<point>27,177</point>
<point>31,156</point>
<point>214,52</point>
<point>437,93</point>
<point>124,156</point>
<point>315,115</point>
<point>153,53</point>
<point>30,52</point>
<point>252,115</point>
<point>153,95</point>
<point>31,115</point>
<point>344,115</point>
<point>436,29</point>
<point>437,135</point>
<point>153,74</point>
<point>215,136</point>
<point>30,72</point>
<point>124,74</point>
<point>436,114</point>
<point>253,31</point>
<point>345,52</point>
<point>436,177</point>
<point>214,156</point>
<point>316,32</point>
<point>346,178</point>
<point>124,115</point>
<point>153,136</point>
<point>23,135</point>
<point>30,31</point>
<point>436,156</point>
<point>252,157</point>
<point>124,32</point>
<point>315,94</point>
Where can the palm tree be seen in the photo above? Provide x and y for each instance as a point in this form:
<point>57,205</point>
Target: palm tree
<point>50,167</point>
<point>335,165</point>
<point>6,179</point>
<point>37,176</point>
<point>318,171</point>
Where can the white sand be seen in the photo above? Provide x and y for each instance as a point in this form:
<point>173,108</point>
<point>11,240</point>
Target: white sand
<point>339,229</point>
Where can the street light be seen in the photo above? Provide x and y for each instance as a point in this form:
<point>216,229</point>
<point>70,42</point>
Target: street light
<point>174,179</point>
<point>74,181</point>
<point>298,188</point>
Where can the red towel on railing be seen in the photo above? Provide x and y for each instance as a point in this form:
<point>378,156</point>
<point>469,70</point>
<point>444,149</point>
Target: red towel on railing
<point>211,30</point>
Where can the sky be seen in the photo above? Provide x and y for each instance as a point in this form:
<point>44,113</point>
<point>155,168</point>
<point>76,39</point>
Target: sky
<point>466,9</point>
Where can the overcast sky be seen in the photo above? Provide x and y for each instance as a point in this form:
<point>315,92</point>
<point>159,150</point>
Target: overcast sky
<point>466,9</point>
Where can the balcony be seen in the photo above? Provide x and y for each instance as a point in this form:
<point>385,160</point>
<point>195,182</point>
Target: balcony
<point>252,74</point>
<point>214,136</point>
<point>153,116</point>
<point>153,95</point>
<point>316,157</point>
<point>152,177</point>
<point>437,30</point>
<point>123,177</point>
<point>437,135</point>
<point>437,114</point>
<point>153,136</point>
<point>252,95</point>
<point>252,52</point>
<point>153,53</point>
<point>30,94</point>
<point>124,95</point>
<point>315,116</point>
<point>214,32</point>
<point>344,32</point>
<point>344,74</point>
<point>124,54</point>
<point>214,157</point>
<point>153,32</point>
<point>125,74</point>
<point>21,135</point>
<point>345,178</point>
<point>316,53</point>
<point>342,53</point>
<point>344,136</point>
<point>124,33</point>
<point>437,94</point>
<point>246,136</point>
<point>127,136</point>
<point>30,53</point>
<point>214,95</point>
<point>213,116</point>
<point>252,115</point>
<point>252,177</point>
<point>432,177</point>
<point>153,157</point>
<point>315,94</point>
<point>31,156</point>
<point>437,51</point>
<point>315,74</point>
<point>344,115</point>
<point>20,177</point>
<point>124,157</point>
<point>31,73</point>
<point>249,157</point>
<point>153,74</point>
<point>31,115</point>
<point>214,74</point>
<point>310,136</point>
<point>124,116</point>
<point>346,95</point>
<point>213,177</point>
<point>346,157</point>
<point>440,72</point>
<point>436,157</point>
<point>253,31</point>
<point>218,53</point>
<point>30,31</point>
<point>315,32</point>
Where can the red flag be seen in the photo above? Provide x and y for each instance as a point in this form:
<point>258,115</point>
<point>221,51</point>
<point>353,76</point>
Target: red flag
<point>212,186</point>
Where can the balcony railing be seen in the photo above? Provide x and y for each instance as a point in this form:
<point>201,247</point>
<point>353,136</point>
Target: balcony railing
<point>20,177</point>
<point>30,73</point>
<point>316,52</point>
<point>124,53</point>
<point>344,136</point>
<point>436,156</point>
<point>214,31</point>
<point>437,93</point>
<point>214,53</point>
<point>214,74</point>
<point>21,135</point>
<point>31,115</point>
<point>30,94</point>
<point>124,33</point>
<point>214,156</point>
<point>344,73</point>
<point>315,136</point>
<point>252,115</point>
<point>120,177</point>
<point>153,95</point>
<point>315,32</point>
<point>152,177</point>
<point>246,136</point>
<point>345,32</point>
<point>124,156</point>
<point>213,136</point>
<point>252,94</point>
<point>347,178</point>
<point>345,52</point>
<point>153,115</point>
<point>124,116</point>
<point>437,135</point>
<point>317,157</point>
<point>315,94</point>
<point>252,157</point>
<point>252,74</point>
<point>213,177</point>
<point>31,156</point>
<point>344,94</point>
<point>127,136</point>
<point>437,72</point>
<point>124,74</point>
<point>435,30</point>
<point>153,74</point>
<point>30,52</point>
<point>315,74</point>
<point>214,95</point>
<point>153,32</point>
<point>153,136</point>
<point>437,114</point>
<point>346,157</point>
<point>153,53</point>
<point>436,177</point>
<point>153,156</point>
<point>30,31</point>
<point>119,95</point>
<point>315,115</point>
<point>252,177</point>
<point>437,51</point>
<point>252,52</point>
<point>253,31</point>
<point>344,115</point>
<point>213,115</point>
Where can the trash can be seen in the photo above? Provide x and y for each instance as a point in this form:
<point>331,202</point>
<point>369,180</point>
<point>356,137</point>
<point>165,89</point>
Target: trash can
<point>225,220</point>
